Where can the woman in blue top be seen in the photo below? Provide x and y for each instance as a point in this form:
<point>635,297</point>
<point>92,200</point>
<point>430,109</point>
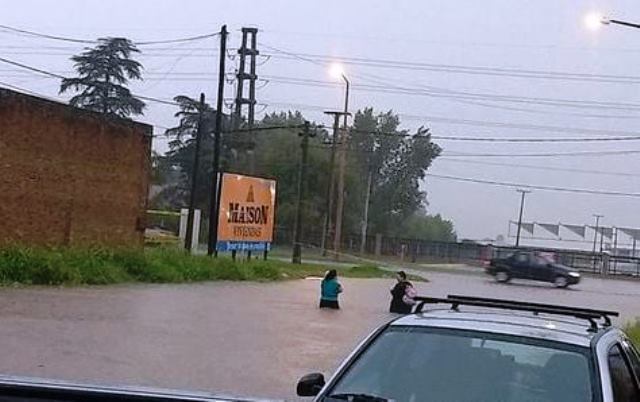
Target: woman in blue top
<point>329,290</point>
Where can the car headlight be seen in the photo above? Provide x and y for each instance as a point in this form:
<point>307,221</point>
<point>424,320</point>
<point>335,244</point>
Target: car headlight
<point>574,274</point>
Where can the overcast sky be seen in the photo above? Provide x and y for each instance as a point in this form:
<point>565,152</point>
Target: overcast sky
<point>445,37</point>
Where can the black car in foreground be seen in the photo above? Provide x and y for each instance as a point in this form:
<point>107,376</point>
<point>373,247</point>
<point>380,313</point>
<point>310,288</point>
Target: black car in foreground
<point>533,266</point>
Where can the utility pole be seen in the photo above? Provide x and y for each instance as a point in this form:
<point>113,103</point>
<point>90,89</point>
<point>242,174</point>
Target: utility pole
<point>194,176</point>
<point>365,219</point>
<point>296,258</point>
<point>326,227</point>
<point>523,192</point>
<point>215,196</point>
<point>342,165</point>
<point>595,235</point>
<point>248,49</point>
<point>248,35</point>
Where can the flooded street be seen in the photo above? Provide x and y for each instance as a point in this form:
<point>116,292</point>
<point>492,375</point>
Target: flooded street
<point>237,338</point>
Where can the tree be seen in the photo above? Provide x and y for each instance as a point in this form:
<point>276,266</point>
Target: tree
<point>398,163</point>
<point>103,75</point>
<point>179,160</point>
<point>277,154</point>
<point>428,227</point>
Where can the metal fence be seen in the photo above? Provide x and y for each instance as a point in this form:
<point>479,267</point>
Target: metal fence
<point>424,251</point>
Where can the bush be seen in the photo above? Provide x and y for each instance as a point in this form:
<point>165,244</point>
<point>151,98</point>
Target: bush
<point>633,330</point>
<point>96,266</point>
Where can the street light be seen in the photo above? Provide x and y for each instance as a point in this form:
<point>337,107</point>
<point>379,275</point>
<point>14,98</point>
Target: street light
<point>594,21</point>
<point>337,71</point>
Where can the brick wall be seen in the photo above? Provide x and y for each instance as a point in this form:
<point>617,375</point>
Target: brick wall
<point>70,176</point>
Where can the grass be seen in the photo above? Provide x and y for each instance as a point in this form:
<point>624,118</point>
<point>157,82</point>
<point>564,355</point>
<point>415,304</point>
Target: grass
<point>19,265</point>
<point>633,330</point>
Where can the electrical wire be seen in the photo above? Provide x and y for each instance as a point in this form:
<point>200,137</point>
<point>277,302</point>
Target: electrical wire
<point>87,41</point>
<point>45,36</point>
<point>476,123</point>
<point>452,68</point>
<point>535,167</point>
<point>545,155</point>
<point>617,152</point>
<point>413,66</point>
<point>502,98</point>
<point>532,186</point>
<point>573,103</point>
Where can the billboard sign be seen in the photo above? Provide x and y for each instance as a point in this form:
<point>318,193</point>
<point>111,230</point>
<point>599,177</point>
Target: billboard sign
<point>247,212</point>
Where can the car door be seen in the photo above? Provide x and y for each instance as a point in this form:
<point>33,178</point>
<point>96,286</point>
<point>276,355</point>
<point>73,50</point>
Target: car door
<point>624,383</point>
<point>520,265</point>
<point>539,269</point>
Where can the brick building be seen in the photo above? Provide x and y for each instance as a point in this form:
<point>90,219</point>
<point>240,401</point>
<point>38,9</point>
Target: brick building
<point>70,176</point>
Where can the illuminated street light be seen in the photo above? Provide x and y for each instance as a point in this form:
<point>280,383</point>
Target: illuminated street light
<point>336,70</point>
<point>594,21</point>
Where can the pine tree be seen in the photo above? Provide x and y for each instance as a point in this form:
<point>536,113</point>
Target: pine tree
<point>103,75</point>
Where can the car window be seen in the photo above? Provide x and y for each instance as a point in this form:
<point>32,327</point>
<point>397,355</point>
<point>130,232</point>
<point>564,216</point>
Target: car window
<point>521,258</point>
<point>623,383</point>
<point>453,366</point>
<point>634,358</point>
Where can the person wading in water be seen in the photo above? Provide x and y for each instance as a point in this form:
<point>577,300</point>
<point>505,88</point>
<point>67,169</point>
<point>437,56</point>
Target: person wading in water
<point>329,290</point>
<point>402,295</point>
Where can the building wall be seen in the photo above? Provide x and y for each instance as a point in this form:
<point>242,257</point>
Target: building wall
<point>70,176</point>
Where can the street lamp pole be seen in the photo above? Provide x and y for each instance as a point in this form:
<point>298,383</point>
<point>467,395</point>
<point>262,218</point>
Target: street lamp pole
<point>607,21</point>
<point>342,163</point>
<point>326,227</point>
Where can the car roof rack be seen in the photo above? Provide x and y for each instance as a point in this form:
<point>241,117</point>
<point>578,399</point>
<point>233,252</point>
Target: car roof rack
<point>455,301</point>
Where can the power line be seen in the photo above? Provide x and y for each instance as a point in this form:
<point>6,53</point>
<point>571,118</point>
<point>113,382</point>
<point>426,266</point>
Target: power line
<point>456,138</point>
<point>536,167</point>
<point>455,95</point>
<point>178,40</point>
<point>545,155</point>
<point>34,69</point>
<point>533,140</point>
<point>573,103</point>
<point>452,68</point>
<point>46,36</point>
<point>88,41</point>
<point>413,66</point>
<point>532,186</point>
<point>483,123</point>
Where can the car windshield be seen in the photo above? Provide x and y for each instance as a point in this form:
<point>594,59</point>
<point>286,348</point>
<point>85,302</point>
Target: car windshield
<point>417,364</point>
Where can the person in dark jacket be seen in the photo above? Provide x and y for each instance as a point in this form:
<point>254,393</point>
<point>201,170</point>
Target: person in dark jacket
<point>329,290</point>
<point>402,295</point>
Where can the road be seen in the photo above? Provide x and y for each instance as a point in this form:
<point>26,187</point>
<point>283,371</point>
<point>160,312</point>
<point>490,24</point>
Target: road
<point>238,338</point>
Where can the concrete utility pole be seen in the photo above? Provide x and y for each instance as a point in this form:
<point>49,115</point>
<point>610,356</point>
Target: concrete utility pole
<point>595,235</point>
<point>215,196</point>
<point>296,258</point>
<point>249,35</point>
<point>242,76</point>
<point>188,240</point>
<point>523,192</point>
<point>342,165</point>
<point>365,219</point>
<point>326,227</point>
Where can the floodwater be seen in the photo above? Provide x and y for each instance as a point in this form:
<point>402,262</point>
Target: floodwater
<point>237,338</point>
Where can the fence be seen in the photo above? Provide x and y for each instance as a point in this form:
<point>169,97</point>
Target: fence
<point>424,251</point>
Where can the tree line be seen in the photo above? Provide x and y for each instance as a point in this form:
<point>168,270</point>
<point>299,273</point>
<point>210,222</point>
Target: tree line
<point>384,161</point>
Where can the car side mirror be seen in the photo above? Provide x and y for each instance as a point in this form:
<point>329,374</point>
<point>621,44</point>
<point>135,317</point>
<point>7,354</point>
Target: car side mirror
<point>310,384</point>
